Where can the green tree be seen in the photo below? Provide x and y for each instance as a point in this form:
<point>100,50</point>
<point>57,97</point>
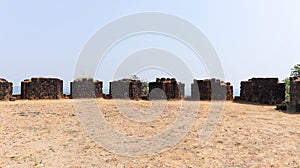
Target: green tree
<point>295,70</point>
<point>145,88</point>
<point>287,89</point>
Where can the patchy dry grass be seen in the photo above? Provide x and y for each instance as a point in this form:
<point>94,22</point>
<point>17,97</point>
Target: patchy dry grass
<point>47,133</point>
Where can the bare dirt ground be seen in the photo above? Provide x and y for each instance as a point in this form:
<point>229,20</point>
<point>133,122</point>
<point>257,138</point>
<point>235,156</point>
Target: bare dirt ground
<point>48,133</point>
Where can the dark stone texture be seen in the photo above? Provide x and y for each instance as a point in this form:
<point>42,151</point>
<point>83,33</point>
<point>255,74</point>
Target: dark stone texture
<point>6,89</point>
<point>171,88</point>
<point>211,89</point>
<point>262,91</point>
<point>295,93</point>
<point>125,88</point>
<point>86,88</point>
<point>42,88</point>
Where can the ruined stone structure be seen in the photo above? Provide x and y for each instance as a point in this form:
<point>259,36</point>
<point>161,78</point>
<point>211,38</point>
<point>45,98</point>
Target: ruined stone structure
<point>211,89</point>
<point>5,89</point>
<point>86,88</point>
<point>295,93</point>
<point>42,88</point>
<point>125,88</point>
<point>262,91</point>
<point>171,88</point>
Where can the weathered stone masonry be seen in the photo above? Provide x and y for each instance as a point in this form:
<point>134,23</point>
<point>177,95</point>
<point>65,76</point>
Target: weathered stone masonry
<point>86,88</point>
<point>42,88</point>
<point>211,89</point>
<point>5,89</point>
<point>262,91</point>
<point>295,93</point>
<point>171,88</point>
<point>125,88</point>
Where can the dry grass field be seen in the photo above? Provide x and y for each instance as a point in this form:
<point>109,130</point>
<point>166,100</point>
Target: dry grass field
<point>48,133</point>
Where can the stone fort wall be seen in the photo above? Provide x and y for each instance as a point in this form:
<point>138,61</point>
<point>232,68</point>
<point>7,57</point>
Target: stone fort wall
<point>6,89</point>
<point>42,88</point>
<point>211,89</point>
<point>125,88</point>
<point>295,93</point>
<point>256,90</point>
<point>171,88</point>
<point>86,88</point>
<point>262,91</point>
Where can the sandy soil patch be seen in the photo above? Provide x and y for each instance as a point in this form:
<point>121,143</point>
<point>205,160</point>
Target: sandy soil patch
<point>48,133</point>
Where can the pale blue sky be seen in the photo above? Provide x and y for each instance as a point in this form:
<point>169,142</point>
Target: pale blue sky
<point>253,38</point>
